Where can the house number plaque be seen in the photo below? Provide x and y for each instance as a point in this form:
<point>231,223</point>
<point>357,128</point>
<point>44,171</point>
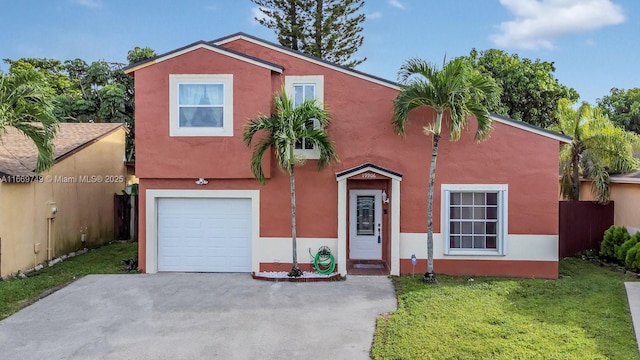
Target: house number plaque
<point>369,175</point>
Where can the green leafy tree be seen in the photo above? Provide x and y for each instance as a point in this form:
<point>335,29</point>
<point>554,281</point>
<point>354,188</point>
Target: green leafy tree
<point>52,70</point>
<point>328,29</point>
<point>530,92</point>
<point>281,131</point>
<point>457,94</point>
<point>286,17</point>
<point>90,92</point>
<point>623,108</point>
<point>106,94</point>
<point>26,104</point>
<point>138,54</point>
<point>333,32</point>
<point>598,148</point>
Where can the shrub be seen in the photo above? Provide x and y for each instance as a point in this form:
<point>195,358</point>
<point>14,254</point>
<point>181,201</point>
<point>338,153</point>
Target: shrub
<point>632,261</point>
<point>621,253</point>
<point>613,238</point>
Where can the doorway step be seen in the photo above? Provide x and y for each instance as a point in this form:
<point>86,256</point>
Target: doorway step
<point>367,267</point>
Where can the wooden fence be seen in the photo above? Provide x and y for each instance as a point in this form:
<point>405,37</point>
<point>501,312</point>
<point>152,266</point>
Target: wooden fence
<point>582,226</point>
<point>126,220</point>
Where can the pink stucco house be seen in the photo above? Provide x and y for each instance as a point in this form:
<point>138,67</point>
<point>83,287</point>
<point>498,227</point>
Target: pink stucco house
<point>496,202</point>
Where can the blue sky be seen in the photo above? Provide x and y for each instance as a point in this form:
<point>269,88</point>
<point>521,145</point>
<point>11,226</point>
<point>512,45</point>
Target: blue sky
<point>595,44</point>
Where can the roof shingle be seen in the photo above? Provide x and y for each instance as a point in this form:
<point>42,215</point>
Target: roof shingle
<point>18,154</point>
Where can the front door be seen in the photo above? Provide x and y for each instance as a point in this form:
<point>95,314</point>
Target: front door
<point>365,229</point>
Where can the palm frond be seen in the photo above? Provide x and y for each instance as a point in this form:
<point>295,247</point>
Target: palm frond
<point>416,66</point>
<point>26,103</point>
<point>256,158</point>
<point>415,95</point>
<point>284,128</point>
<point>455,89</point>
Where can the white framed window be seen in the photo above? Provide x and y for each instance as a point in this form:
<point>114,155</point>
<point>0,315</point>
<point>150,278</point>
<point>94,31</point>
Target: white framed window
<point>474,219</point>
<point>302,88</point>
<point>201,105</point>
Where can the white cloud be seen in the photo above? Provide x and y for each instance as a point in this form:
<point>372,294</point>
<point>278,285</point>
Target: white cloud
<point>538,22</point>
<point>89,3</point>
<point>374,15</point>
<point>396,3</point>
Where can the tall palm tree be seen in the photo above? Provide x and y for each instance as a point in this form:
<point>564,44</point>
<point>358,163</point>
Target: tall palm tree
<point>288,125</point>
<point>598,148</point>
<point>455,92</point>
<point>26,104</point>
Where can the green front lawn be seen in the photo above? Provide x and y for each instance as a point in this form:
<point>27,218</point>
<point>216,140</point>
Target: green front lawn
<point>16,293</point>
<point>582,315</point>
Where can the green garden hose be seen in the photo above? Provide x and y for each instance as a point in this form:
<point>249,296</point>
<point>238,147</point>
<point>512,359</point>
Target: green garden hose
<point>323,261</point>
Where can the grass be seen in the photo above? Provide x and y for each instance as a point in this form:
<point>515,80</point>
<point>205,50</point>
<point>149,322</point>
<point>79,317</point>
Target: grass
<point>17,293</point>
<point>582,315</point>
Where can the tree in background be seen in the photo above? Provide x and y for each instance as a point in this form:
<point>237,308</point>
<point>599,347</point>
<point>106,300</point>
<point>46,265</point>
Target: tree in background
<point>52,70</point>
<point>333,32</point>
<point>530,92</point>
<point>456,93</point>
<point>95,92</point>
<point>138,54</point>
<point>26,104</point>
<point>328,29</point>
<point>598,148</point>
<point>282,130</point>
<point>623,108</point>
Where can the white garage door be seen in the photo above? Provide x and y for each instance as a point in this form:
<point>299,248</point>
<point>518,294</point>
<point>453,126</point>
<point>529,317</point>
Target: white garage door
<point>204,235</point>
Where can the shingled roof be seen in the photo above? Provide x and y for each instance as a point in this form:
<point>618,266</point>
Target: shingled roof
<point>18,154</point>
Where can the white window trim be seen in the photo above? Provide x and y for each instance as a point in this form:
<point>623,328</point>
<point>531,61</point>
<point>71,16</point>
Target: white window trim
<point>174,111</point>
<point>503,212</point>
<point>318,81</point>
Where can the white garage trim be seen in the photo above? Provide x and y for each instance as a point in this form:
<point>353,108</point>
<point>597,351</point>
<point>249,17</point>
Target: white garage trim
<point>151,217</point>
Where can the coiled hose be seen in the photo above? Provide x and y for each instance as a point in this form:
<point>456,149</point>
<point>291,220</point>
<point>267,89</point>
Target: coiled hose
<point>323,261</point>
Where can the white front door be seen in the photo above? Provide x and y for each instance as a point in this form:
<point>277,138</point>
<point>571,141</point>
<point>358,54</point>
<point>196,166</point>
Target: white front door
<point>365,229</point>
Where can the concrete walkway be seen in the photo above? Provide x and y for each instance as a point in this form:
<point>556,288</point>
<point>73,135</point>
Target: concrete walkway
<point>633,295</point>
<point>199,316</point>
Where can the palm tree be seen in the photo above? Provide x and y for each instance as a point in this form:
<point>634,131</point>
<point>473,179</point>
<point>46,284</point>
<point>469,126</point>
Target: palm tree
<point>283,129</point>
<point>26,104</point>
<point>598,148</point>
<point>454,92</point>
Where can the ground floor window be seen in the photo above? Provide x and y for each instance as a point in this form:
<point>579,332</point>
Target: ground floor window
<point>474,218</point>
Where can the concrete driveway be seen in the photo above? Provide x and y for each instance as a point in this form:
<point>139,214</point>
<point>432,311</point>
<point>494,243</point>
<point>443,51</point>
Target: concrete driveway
<point>199,316</point>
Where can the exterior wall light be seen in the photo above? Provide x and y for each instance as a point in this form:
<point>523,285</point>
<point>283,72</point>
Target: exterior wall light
<point>202,181</point>
<point>385,198</point>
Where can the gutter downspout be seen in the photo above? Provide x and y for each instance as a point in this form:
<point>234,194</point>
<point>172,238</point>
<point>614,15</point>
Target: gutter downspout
<point>49,239</point>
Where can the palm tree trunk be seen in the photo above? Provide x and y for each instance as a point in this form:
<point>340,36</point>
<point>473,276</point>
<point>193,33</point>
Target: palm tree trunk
<point>575,188</point>
<point>295,271</point>
<point>429,275</point>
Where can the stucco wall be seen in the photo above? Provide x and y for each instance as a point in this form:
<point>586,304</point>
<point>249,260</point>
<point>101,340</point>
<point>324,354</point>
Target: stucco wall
<point>160,156</point>
<point>626,199</point>
<point>24,207</point>
<point>361,129</point>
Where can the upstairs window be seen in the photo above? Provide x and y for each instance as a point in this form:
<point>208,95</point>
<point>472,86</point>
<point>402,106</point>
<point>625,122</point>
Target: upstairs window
<point>303,88</point>
<point>301,93</point>
<point>201,105</point>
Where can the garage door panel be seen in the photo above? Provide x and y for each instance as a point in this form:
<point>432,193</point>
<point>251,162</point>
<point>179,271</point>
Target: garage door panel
<point>204,235</point>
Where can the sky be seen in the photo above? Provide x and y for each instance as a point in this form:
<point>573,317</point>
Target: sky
<point>594,44</point>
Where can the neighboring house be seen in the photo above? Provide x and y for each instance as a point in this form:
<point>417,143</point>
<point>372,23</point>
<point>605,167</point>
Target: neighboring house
<point>201,210</point>
<point>625,193</point>
<point>42,217</point>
